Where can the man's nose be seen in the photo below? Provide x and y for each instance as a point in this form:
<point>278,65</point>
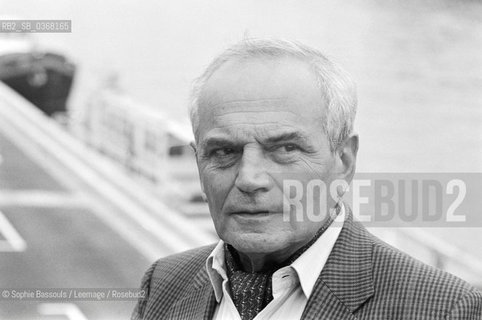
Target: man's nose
<point>252,173</point>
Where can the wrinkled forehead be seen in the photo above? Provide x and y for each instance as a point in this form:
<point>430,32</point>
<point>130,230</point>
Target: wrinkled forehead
<point>246,111</point>
<point>261,92</point>
<point>252,119</point>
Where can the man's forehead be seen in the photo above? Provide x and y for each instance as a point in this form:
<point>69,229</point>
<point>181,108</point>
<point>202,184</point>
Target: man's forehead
<point>251,109</point>
<point>262,94</point>
<point>221,106</point>
<point>256,118</point>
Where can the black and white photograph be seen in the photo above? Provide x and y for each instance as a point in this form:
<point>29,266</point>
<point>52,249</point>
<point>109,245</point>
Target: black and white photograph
<point>241,160</point>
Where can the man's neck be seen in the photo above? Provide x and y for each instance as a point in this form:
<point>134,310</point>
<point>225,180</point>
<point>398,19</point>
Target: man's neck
<point>263,262</point>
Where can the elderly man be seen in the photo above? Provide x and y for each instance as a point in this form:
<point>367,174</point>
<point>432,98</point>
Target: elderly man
<point>265,113</point>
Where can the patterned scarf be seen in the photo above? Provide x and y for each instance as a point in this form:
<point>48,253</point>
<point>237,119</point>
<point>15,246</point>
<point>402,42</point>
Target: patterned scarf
<point>251,292</point>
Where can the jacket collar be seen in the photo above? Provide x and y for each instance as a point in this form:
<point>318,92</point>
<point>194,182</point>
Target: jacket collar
<point>346,280</point>
<point>199,302</point>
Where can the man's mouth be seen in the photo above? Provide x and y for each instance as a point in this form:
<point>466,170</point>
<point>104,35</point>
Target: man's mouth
<point>252,213</point>
<point>256,215</point>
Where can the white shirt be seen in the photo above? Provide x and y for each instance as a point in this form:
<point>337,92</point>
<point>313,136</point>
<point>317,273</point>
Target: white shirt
<point>292,285</point>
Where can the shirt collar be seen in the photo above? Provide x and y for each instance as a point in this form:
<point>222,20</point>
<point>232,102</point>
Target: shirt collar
<point>308,266</point>
<point>216,269</point>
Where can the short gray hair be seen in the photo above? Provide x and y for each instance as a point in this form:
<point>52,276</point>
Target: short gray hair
<point>336,86</point>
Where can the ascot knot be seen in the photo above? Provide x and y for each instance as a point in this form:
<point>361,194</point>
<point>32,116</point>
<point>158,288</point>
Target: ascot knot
<point>251,292</point>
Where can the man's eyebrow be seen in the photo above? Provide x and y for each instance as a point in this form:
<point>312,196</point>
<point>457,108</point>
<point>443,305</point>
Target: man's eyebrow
<point>215,141</point>
<point>289,136</point>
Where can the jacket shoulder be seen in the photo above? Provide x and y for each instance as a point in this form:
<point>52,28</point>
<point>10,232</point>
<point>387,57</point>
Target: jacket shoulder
<point>408,284</point>
<point>167,280</point>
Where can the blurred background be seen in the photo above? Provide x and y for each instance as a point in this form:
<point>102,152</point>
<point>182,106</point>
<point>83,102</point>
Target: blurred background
<point>97,181</point>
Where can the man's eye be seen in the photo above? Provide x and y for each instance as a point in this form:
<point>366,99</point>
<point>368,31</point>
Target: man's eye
<point>222,152</point>
<point>290,147</point>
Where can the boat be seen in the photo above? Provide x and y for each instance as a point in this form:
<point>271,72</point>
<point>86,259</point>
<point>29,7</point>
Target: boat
<point>42,76</point>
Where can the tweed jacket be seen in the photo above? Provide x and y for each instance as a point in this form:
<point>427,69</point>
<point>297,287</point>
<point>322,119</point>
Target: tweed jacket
<point>363,278</point>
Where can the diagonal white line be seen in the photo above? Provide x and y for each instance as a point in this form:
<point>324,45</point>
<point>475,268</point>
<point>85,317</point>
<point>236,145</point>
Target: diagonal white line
<point>13,241</point>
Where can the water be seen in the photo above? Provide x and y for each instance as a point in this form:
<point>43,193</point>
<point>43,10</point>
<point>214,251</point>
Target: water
<point>418,64</point>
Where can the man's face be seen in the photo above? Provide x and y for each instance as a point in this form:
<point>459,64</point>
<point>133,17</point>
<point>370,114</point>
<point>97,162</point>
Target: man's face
<point>260,121</point>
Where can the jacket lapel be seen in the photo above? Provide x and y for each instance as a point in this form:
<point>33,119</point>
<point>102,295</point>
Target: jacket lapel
<point>346,280</point>
<point>198,303</point>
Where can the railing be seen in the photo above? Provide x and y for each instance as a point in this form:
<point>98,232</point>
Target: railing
<point>142,140</point>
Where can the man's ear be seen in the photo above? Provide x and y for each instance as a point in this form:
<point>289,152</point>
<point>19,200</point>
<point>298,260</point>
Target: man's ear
<point>346,158</point>
<point>192,144</point>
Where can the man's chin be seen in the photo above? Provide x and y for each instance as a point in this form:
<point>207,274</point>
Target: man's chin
<point>256,243</point>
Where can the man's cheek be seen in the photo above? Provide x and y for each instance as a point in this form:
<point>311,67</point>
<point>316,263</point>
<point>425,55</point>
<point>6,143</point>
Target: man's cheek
<point>216,193</point>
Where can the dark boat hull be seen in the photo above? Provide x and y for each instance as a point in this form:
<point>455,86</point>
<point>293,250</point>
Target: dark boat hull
<point>43,79</point>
